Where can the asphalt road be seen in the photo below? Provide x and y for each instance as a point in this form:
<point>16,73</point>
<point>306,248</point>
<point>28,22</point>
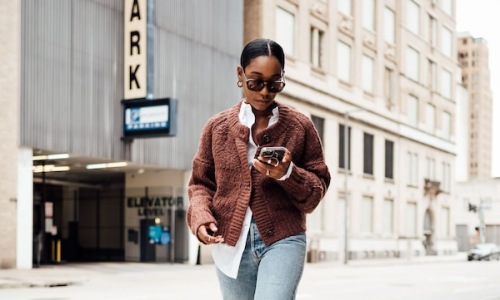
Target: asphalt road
<point>454,280</point>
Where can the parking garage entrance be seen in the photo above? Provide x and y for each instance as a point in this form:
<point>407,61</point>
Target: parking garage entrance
<point>94,216</point>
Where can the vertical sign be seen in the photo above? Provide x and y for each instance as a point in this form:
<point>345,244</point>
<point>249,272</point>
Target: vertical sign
<point>135,49</point>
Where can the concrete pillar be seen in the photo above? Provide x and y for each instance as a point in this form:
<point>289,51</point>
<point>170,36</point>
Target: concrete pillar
<point>10,63</point>
<point>25,209</point>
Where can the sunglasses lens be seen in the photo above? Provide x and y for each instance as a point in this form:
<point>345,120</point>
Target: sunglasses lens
<point>276,86</point>
<point>255,85</point>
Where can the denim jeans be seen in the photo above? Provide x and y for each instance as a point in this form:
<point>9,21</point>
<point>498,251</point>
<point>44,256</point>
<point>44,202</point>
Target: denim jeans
<point>266,272</point>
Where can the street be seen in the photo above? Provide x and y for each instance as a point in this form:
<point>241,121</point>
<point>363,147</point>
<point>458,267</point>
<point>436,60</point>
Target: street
<point>458,280</point>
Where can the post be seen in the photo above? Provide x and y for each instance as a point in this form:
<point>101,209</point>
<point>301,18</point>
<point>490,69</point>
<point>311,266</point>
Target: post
<point>346,193</point>
<point>482,226</point>
<point>346,178</point>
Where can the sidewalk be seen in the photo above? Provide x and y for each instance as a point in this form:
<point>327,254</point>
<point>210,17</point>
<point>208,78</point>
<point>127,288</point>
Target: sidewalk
<point>80,273</point>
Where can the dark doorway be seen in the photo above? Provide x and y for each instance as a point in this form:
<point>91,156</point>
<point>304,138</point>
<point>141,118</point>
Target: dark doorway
<point>148,249</point>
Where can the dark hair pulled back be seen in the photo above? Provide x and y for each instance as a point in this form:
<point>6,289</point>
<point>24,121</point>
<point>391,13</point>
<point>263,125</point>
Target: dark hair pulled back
<point>261,47</point>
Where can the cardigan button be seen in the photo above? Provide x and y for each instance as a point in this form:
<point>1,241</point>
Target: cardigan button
<point>267,138</point>
<point>269,232</point>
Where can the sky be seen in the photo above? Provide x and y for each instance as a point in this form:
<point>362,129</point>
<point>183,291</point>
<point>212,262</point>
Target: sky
<point>481,18</point>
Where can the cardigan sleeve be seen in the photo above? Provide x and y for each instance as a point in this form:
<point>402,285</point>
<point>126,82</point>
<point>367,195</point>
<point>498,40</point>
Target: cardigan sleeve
<point>202,184</point>
<point>310,177</point>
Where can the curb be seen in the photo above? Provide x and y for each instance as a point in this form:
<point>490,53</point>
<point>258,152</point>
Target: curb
<point>11,283</point>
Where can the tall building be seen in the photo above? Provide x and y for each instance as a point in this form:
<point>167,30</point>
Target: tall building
<point>380,78</point>
<point>473,57</point>
<point>478,204</point>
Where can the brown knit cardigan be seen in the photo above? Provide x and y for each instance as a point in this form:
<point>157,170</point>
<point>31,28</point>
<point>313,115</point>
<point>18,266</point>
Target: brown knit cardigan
<point>222,184</point>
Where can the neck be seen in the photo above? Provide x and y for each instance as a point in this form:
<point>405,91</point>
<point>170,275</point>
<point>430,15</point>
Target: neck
<point>263,113</point>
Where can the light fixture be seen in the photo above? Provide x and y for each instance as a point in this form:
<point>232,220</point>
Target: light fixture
<point>50,168</point>
<point>51,156</point>
<point>107,165</point>
<point>58,156</point>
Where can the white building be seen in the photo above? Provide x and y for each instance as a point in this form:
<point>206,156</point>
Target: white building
<point>391,66</point>
<point>477,212</point>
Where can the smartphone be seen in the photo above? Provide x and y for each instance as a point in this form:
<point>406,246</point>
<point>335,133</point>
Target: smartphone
<point>273,154</point>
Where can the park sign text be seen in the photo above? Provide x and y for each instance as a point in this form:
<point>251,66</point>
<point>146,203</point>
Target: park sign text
<point>135,49</point>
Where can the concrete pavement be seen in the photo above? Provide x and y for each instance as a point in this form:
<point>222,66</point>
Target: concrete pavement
<point>81,273</point>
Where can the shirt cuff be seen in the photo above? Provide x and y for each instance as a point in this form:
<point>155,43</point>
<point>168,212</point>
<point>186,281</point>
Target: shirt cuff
<point>288,173</point>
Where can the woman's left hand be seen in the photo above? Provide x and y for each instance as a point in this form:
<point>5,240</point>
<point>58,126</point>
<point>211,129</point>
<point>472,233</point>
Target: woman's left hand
<point>275,171</point>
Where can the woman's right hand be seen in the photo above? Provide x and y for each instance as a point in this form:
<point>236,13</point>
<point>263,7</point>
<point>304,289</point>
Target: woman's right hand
<point>206,234</point>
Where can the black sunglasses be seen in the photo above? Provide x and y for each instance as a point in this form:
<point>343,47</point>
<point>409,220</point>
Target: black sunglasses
<point>273,86</point>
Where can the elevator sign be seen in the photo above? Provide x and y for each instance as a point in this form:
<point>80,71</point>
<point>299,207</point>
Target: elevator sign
<point>135,49</point>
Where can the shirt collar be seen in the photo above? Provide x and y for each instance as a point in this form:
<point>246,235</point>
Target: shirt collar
<point>247,117</point>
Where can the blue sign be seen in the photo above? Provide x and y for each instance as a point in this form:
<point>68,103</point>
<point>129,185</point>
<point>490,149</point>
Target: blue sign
<point>165,237</point>
<point>149,118</point>
<point>155,233</point>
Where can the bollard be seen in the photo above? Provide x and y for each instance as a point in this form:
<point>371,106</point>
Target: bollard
<point>56,251</point>
<point>58,256</point>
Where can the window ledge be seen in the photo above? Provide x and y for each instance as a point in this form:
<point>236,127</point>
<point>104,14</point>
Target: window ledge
<point>342,171</point>
<point>368,176</point>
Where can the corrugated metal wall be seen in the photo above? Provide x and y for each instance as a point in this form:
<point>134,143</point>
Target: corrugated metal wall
<point>197,48</point>
<point>72,73</point>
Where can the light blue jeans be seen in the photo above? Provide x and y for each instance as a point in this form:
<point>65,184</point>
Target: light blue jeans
<point>266,273</point>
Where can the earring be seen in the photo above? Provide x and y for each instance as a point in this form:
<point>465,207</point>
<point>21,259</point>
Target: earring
<point>239,83</point>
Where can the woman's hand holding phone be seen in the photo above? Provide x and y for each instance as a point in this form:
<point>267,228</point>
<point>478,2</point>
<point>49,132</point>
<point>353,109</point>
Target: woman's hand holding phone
<point>273,161</point>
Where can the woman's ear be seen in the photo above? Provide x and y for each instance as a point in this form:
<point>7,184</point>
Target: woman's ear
<point>239,72</point>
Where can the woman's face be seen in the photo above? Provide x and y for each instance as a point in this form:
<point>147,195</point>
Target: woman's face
<point>266,68</point>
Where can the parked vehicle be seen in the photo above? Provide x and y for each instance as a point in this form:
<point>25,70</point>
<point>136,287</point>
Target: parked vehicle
<point>485,251</point>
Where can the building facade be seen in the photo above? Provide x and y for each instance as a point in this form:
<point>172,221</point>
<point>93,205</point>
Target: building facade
<point>473,57</point>
<point>386,72</point>
<point>478,204</point>
<point>478,212</point>
<point>74,188</point>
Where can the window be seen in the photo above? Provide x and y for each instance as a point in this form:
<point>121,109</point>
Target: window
<point>389,25</point>
<point>412,169</point>
<point>389,159</point>
<point>317,47</point>
<point>412,63</point>
<point>433,76</point>
<point>341,147</point>
<point>388,216</point>
<point>367,215</point>
<point>413,17</point>
<point>446,183</point>
<point>368,21</point>
<point>446,125</point>
<point>433,31</point>
<point>345,7</point>
<point>446,83</point>
<point>368,153</point>
<point>447,42</point>
<point>431,168</point>
<point>368,69</point>
<point>411,219</point>
<point>445,222</point>
<point>412,110</point>
<point>319,124</point>
<point>285,28</point>
<point>389,87</point>
<point>430,118</point>
<point>343,61</point>
<point>447,6</point>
